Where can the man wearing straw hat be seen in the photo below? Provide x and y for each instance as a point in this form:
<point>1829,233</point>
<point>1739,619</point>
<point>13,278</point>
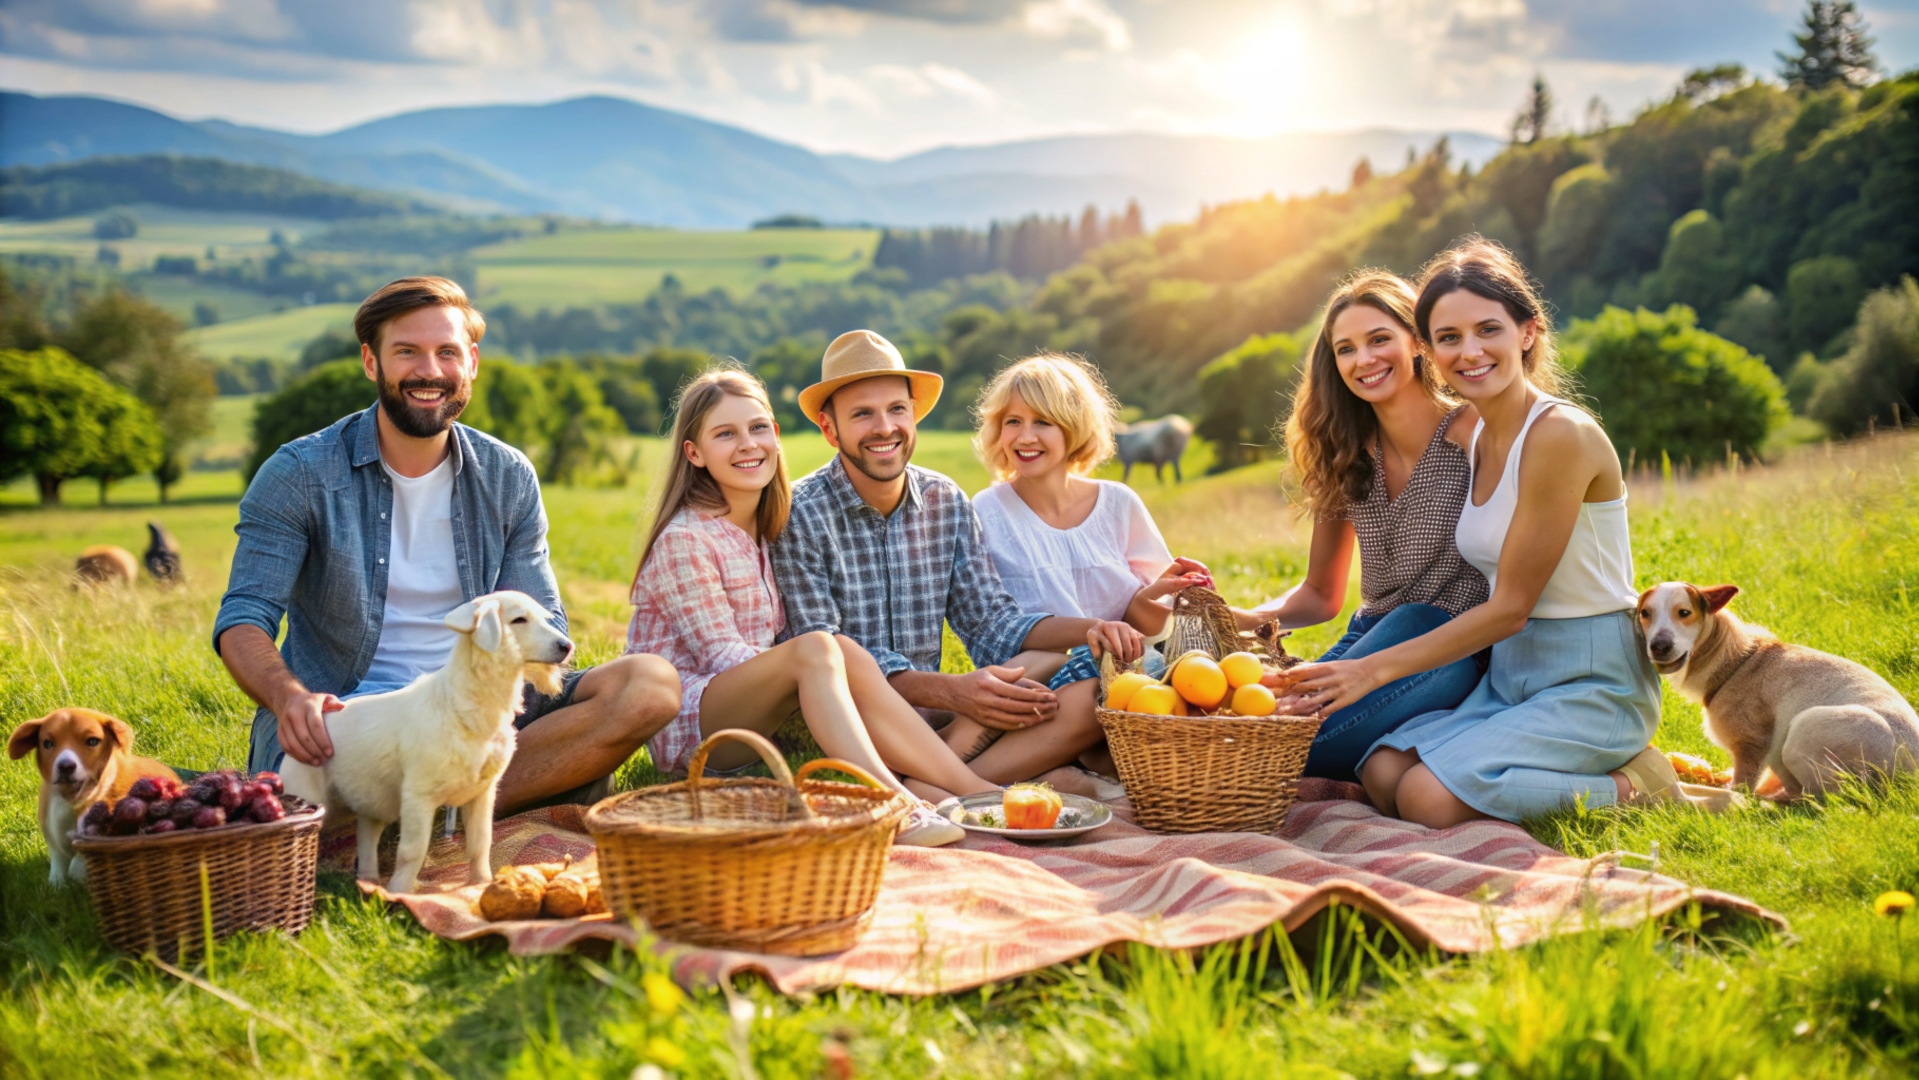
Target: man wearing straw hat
<point>884,552</point>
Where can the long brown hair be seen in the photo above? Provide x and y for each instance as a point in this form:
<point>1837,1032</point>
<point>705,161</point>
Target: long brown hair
<point>686,484</point>
<point>1487,270</point>
<point>1330,434</point>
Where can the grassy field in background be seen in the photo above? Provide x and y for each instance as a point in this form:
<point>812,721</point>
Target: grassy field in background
<point>278,335</point>
<point>164,230</point>
<point>1824,544</point>
<point>581,268</point>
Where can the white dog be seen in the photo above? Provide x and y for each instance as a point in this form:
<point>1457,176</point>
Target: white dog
<point>443,741</point>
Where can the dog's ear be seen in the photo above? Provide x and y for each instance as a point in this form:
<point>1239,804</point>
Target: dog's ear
<point>25,737</point>
<point>119,731</point>
<point>462,619</point>
<point>489,630</point>
<point>1718,596</point>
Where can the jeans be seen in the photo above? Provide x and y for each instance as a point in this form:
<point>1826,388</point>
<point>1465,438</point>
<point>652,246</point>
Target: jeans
<point>1346,735</point>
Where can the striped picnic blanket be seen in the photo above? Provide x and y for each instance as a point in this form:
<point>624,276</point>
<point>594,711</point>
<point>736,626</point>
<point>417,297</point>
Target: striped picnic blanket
<point>954,918</point>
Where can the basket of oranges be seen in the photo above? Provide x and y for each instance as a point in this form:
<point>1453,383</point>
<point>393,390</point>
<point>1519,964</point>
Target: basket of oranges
<point>1201,750</point>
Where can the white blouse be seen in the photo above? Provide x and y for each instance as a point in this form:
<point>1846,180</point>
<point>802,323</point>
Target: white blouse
<point>1089,571</point>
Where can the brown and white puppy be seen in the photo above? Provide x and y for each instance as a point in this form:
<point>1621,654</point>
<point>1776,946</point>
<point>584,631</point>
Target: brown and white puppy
<point>84,757</point>
<point>105,564</point>
<point>1809,716</point>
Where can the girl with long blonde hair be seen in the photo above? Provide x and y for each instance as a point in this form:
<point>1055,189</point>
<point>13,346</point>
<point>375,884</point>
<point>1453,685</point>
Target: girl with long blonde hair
<point>704,598</point>
<point>1378,451</point>
<point>1569,701</point>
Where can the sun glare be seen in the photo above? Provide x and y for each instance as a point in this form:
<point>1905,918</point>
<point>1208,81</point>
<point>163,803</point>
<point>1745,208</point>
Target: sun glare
<point>1260,79</point>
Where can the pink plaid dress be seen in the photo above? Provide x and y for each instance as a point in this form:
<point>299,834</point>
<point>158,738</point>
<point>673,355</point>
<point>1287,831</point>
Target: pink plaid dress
<point>705,601</point>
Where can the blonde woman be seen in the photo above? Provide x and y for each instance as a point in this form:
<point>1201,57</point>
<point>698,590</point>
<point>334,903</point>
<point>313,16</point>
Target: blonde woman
<point>1064,543</point>
<point>704,599</point>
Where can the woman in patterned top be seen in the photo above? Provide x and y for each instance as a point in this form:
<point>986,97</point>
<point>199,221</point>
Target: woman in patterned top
<point>704,599</point>
<point>1379,450</point>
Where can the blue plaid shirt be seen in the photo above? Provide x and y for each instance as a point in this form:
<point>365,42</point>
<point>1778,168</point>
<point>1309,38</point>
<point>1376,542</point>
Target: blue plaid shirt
<point>888,582</point>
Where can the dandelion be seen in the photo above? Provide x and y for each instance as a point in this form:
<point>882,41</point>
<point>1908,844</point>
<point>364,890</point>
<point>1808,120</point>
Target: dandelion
<point>661,994</point>
<point>1893,904</point>
<point>664,1052</point>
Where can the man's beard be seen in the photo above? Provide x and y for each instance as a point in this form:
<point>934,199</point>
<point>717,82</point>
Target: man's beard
<point>871,470</point>
<point>422,421</point>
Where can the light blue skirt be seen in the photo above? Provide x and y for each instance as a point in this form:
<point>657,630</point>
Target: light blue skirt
<point>1564,703</point>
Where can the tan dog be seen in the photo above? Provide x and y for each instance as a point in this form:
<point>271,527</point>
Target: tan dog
<point>1809,716</point>
<point>105,564</point>
<point>84,757</point>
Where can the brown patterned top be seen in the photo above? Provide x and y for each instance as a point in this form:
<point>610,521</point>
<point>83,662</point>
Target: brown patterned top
<point>1406,550</point>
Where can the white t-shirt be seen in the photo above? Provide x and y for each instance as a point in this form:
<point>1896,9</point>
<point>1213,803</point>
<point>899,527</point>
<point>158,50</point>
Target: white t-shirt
<point>422,582</point>
<point>1089,571</point>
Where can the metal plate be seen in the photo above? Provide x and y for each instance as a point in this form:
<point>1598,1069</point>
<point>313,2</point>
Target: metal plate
<point>1077,816</point>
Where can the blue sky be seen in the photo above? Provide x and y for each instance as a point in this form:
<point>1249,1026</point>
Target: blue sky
<point>888,77</point>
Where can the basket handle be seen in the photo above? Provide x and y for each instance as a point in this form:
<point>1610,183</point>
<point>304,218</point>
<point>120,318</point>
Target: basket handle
<point>696,769</point>
<point>837,765</point>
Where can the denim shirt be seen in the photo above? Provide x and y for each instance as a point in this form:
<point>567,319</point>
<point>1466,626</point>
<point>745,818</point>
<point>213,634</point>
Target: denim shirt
<point>315,528</point>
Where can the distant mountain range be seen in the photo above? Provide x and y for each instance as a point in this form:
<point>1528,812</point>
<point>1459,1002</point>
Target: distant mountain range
<point>616,159</point>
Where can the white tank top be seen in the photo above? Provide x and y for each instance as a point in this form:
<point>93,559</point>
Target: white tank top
<point>1594,576</point>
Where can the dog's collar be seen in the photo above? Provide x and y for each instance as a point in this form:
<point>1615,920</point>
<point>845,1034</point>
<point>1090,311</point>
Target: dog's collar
<point>1706,701</point>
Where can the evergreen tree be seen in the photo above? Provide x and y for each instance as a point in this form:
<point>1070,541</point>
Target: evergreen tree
<point>1835,48</point>
<point>1533,118</point>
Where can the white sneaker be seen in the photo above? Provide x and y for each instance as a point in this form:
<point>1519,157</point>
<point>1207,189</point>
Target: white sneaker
<point>924,828</point>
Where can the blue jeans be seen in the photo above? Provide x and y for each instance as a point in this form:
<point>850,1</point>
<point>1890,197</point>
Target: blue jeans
<point>1346,735</point>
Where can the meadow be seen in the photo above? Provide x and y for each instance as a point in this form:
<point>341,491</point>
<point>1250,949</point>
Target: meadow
<point>1824,543</point>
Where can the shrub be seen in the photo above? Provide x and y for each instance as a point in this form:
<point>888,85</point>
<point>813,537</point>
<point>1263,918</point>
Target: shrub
<point>510,403</point>
<point>1822,295</point>
<point>306,405</point>
<point>581,423</point>
<point>1755,321</point>
<point>1881,367</point>
<point>1663,384</point>
<point>118,225</point>
<point>1243,394</point>
<point>60,419</point>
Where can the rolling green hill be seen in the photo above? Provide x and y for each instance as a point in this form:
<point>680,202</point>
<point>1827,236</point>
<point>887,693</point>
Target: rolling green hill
<point>195,183</point>
<point>615,265</point>
<point>279,335</point>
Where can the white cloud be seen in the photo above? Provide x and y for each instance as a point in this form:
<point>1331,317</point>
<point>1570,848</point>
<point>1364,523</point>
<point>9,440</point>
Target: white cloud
<point>1077,19</point>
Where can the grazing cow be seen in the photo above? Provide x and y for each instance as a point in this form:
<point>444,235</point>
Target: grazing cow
<point>163,555</point>
<point>1156,442</point>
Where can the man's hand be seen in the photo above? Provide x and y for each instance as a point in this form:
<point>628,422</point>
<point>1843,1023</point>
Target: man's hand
<point>1001,699</point>
<point>303,733</point>
<point>1125,643</point>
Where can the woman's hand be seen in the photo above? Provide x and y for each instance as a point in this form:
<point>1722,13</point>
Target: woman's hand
<point>1324,688</point>
<point>1125,643</point>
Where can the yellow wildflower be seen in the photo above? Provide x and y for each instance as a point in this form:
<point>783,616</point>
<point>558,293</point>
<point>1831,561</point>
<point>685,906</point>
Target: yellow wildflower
<point>1894,903</point>
<point>665,998</point>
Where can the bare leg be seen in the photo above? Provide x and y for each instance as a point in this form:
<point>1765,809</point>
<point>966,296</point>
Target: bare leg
<point>617,707</point>
<point>902,738</point>
<point>1423,800</point>
<point>1028,752</point>
<point>969,738</point>
<point>416,831</point>
<point>1381,776</point>
<point>478,816</point>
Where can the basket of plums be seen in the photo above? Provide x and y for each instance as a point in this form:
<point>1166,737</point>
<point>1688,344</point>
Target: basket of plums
<point>172,862</point>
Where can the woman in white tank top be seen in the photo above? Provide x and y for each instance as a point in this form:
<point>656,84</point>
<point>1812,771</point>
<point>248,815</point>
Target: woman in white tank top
<point>1569,702</point>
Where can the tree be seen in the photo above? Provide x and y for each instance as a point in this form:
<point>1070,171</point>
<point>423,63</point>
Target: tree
<point>1704,84</point>
<point>1822,297</point>
<point>118,225</point>
<point>1535,115</point>
<point>130,443</point>
<point>1243,392</point>
<point>1754,320</point>
<point>580,424</point>
<point>137,345</point>
<point>1662,385</point>
<point>509,403</point>
<point>55,414</point>
<point>1362,172</point>
<point>331,344</point>
<point>1835,48</point>
<point>306,405</point>
<point>1880,371</point>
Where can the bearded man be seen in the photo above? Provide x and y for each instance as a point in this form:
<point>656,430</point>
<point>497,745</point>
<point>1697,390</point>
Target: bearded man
<point>365,535</point>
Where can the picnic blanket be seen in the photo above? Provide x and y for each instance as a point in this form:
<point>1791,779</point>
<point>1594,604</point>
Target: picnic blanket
<point>954,918</point>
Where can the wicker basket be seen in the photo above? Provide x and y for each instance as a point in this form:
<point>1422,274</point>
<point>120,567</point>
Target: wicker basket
<point>1208,773</point>
<point>789,865</point>
<point>146,889</point>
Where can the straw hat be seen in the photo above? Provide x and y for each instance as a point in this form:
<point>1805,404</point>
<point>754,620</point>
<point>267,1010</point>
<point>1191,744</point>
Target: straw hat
<point>862,354</point>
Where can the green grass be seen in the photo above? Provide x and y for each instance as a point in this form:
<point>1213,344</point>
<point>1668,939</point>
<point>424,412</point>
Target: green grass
<point>279,335</point>
<point>581,268</point>
<point>1824,544</point>
<point>163,231</point>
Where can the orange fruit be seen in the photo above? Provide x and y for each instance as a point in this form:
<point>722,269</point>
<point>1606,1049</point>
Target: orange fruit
<point>1030,806</point>
<point>1253,700</point>
<point>1156,699</point>
<point>1199,680</point>
<point>1241,669</point>
<point>1120,694</point>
